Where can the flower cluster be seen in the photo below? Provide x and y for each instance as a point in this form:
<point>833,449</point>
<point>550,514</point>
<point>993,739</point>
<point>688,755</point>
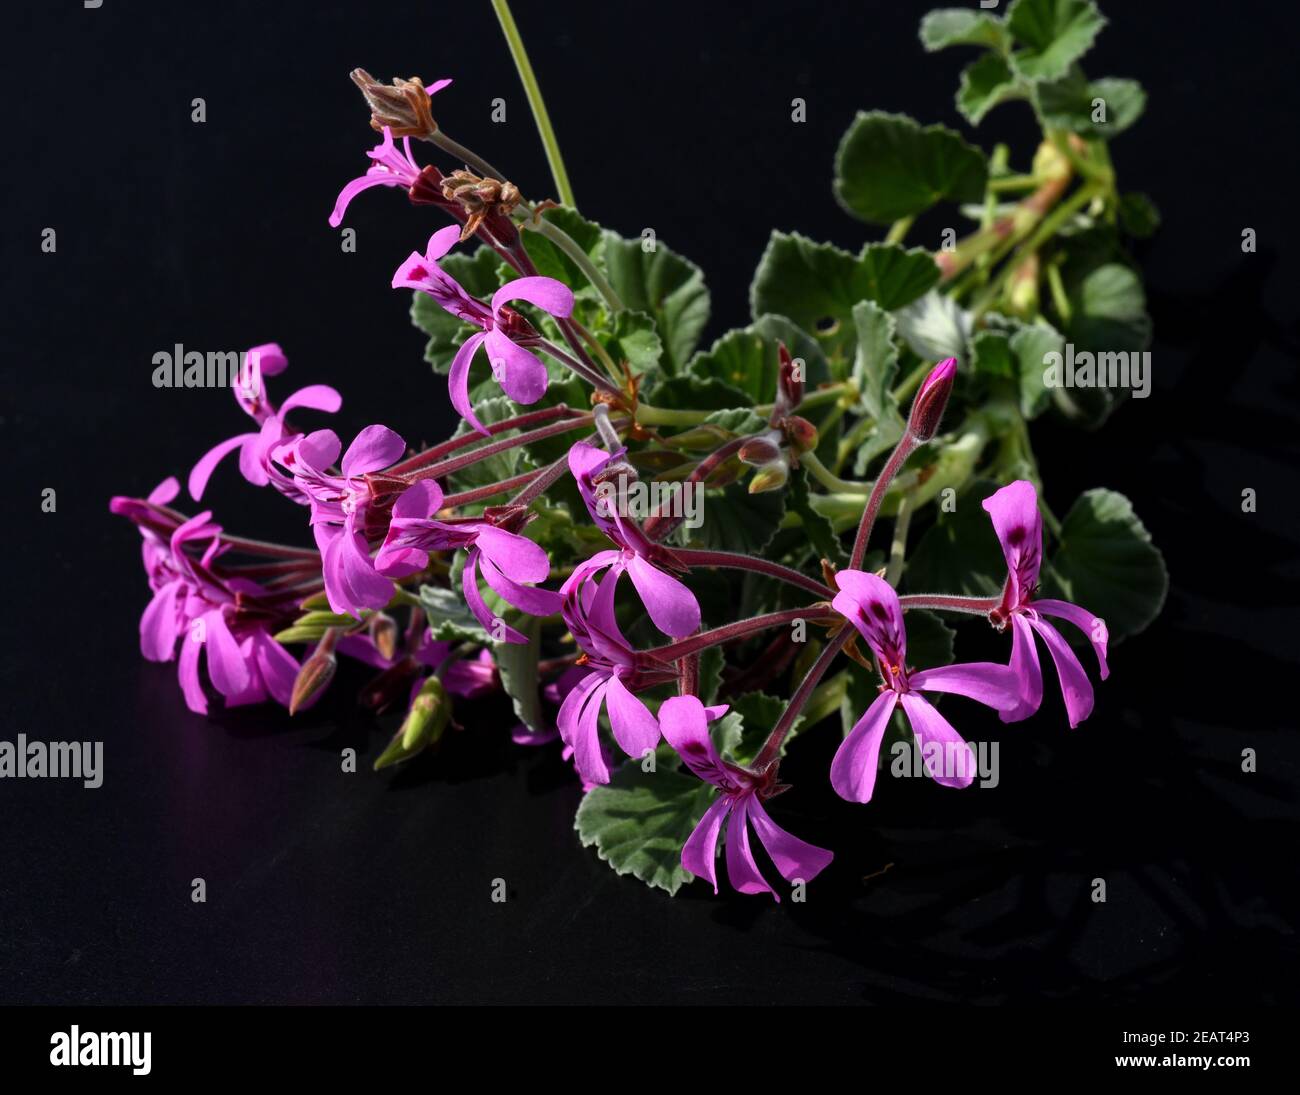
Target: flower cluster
<point>494,560</point>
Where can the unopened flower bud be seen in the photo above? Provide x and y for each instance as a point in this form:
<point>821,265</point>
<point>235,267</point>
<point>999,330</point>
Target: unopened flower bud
<point>425,721</point>
<point>313,678</point>
<point>383,633</point>
<point>402,106</point>
<point>800,433</point>
<point>927,407</point>
<point>759,451</point>
<point>771,476</point>
<point>791,382</point>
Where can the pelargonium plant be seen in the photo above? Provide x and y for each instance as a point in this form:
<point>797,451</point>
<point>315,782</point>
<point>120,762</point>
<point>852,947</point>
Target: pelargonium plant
<point>666,554</point>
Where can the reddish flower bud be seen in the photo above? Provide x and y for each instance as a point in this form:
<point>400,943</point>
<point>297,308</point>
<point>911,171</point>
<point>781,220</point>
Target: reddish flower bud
<point>791,379</point>
<point>759,450</point>
<point>927,407</point>
<point>313,678</point>
<point>800,433</point>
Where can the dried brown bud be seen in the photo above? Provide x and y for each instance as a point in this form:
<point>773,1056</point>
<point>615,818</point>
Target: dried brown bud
<point>402,106</point>
<point>480,197</point>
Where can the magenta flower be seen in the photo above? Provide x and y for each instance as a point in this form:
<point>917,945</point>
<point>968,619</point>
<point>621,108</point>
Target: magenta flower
<point>342,515</point>
<point>520,373</point>
<point>389,167</point>
<point>670,604</point>
<point>1019,525</point>
<point>615,671</point>
<point>506,559</point>
<point>255,447</point>
<point>871,605</point>
<point>684,722</point>
<point>229,618</point>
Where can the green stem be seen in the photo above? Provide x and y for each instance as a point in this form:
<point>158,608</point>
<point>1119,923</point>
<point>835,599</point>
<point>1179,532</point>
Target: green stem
<point>534,93</point>
<point>899,229</point>
<point>828,478</point>
<point>570,247</point>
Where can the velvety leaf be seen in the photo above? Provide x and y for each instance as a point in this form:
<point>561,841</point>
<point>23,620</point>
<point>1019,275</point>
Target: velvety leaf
<point>665,285</point>
<point>889,167</point>
<point>1052,35</point>
<point>1030,345</point>
<point>946,27</point>
<point>986,83</point>
<point>1138,215</point>
<point>1109,311</point>
<point>1107,564</point>
<point>749,359</point>
<point>553,262</point>
<point>816,285</point>
<point>816,528</point>
<point>687,392</point>
<point>449,619</point>
<point>517,666</point>
<point>639,821</point>
<point>1101,108</point>
<point>935,327</point>
<point>735,520</point>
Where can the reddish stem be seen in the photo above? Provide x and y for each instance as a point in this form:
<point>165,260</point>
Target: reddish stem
<point>732,561</point>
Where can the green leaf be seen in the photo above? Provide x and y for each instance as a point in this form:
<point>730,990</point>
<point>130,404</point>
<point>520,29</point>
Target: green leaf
<point>1101,108</point>
<point>759,714</point>
<point>449,619</point>
<point>959,553</point>
<point>875,362</point>
<point>991,356</point>
<point>639,821</point>
<point>817,285</point>
<point>479,274</point>
<point>986,83</point>
<point>694,393</point>
<point>1138,215</point>
<point>634,339</point>
<point>735,520</point>
<point>517,667</point>
<point>818,530</point>
<point>889,167</point>
<point>1053,34</point>
<point>961,27</point>
<point>1107,564</point>
<point>930,641</point>
<point>1109,311</point>
<point>665,285</point>
<point>935,327</point>
<point>1030,345</point>
<point>748,359</point>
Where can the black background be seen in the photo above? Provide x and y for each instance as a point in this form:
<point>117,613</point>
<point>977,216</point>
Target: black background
<point>361,888</point>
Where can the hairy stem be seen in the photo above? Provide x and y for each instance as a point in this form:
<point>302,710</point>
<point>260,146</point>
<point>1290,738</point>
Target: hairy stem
<point>901,452</point>
<point>730,560</point>
<point>772,747</point>
<point>738,630</point>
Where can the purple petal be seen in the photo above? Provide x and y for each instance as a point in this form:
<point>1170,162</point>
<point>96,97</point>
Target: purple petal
<point>794,858</point>
<point>165,491</point>
<point>207,463</point>
<point>315,397</point>
<point>1019,525</point>
<point>870,604</point>
<point>535,602</point>
<point>948,759</point>
<point>700,852</point>
<point>995,686</point>
<point>635,729</point>
<point>548,294</point>
<point>671,606</point>
<point>353,188</point>
<point>458,381</point>
<point>319,449</point>
<point>1075,686</point>
<point>227,668</point>
<point>588,754</point>
<point>373,449</point>
<point>853,771</point>
<point>682,722</point>
<point>1024,663</point>
<point>158,625</point>
<point>488,620</point>
<point>442,240</point>
<point>521,375</point>
<point>422,499</point>
<point>1092,626</point>
<point>516,556</point>
<point>741,868</point>
<point>278,668</point>
<point>187,672</point>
